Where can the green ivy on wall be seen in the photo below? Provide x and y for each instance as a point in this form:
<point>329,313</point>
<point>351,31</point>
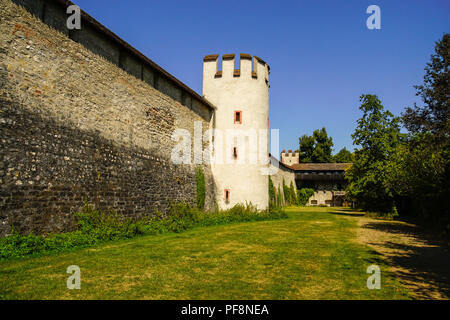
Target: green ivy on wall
<point>279,197</point>
<point>201,188</point>
<point>303,195</point>
<point>272,197</point>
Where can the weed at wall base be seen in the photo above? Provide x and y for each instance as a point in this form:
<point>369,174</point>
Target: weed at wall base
<point>94,226</point>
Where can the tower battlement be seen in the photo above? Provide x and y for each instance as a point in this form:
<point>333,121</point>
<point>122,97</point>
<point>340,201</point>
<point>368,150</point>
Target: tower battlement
<point>241,97</point>
<point>250,67</point>
<point>290,158</point>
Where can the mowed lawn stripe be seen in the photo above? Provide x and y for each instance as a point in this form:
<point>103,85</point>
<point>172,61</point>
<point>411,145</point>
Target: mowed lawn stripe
<point>311,255</point>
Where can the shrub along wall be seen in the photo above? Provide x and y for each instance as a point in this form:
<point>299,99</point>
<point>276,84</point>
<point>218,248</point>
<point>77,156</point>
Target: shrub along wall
<point>94,226</point>
<point>283,182</point>
<point>75,126</point>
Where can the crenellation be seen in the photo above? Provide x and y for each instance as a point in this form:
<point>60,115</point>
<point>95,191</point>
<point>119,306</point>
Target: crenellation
<point>290,158</point>
<point>228,56</point>
<point>246,65</point>
<point>242,101</point>
<point>211,57</point>
<point>249,67</point>
<point>87,117</point>
<point>228,64</point>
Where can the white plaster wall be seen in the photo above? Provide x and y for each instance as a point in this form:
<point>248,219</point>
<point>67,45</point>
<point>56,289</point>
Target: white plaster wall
<point>251,96</point>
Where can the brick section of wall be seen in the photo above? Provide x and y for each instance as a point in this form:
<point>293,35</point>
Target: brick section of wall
<point>75,126</point>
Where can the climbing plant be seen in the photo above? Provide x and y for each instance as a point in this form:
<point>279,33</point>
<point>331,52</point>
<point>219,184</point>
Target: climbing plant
<point>285,193</point>
<point>279,197</point>
<point>201,188</point>
<point>272,198</point>
<point>293,194</point>
<point>290,198</point>
<point>303,195</point>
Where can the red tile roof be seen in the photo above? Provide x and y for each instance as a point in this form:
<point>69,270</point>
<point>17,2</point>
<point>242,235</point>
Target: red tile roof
<point>321,166</point>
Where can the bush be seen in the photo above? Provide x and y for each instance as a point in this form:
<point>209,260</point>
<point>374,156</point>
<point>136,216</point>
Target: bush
<point>272,196</point>
<point>303,195</point>
<point>279,196</point>
<point>290,198</point>
<point>201,188</point>
<point>94,226</point>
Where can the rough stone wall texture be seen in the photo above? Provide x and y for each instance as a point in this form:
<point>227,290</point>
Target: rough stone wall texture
<point>324,193</point>
<point>74,126</point>
<point>105,43</point>
<point>283,173</point>
<point>321,197</point>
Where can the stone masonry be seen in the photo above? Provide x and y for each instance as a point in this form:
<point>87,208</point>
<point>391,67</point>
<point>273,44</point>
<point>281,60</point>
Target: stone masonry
<point>74,126</point>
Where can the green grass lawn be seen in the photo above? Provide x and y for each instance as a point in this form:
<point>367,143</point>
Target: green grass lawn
<point>311,255</point>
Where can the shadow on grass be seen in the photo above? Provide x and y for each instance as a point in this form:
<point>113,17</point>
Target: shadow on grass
<point>347,212</point>
<point>377,258</point>
<point>421,263</point>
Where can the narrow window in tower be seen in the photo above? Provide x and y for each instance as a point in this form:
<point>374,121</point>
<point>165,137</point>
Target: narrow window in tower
<point>227,195</point>
<point>238,117</point>
<point>235,153</point>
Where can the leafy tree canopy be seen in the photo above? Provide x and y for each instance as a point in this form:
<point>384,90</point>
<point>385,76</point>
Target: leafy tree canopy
<point>420,167</point>
<point>434,116</point>
<point>316,148</point>
<point>378,134</point>
<point>343,156</point>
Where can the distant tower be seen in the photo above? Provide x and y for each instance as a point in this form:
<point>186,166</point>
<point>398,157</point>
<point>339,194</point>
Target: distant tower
<point>242,100</point>
<point>290,157</point>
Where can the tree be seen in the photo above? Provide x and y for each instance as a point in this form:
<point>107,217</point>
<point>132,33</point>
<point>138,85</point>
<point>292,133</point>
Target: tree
<point>343,156</point>
<point>279,197</point>
<point>378,134</point>
<point>286,194</point>
<point>303,195</point>
<point>420,168</point>
<point>293,194</point>
<point>420,172</point>
<point>316,148</point>
<point>434,116</point>
<point>306,148</point>
<point>323,146</point>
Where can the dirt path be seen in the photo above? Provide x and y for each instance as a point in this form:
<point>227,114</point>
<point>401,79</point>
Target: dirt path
<point>421,263</point>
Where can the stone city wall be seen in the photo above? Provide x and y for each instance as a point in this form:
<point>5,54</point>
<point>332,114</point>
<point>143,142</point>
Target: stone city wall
<point>75,126</point>
<point>282,174</point>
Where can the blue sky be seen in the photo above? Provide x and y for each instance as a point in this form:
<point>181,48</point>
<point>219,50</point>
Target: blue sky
<point>321,54</point>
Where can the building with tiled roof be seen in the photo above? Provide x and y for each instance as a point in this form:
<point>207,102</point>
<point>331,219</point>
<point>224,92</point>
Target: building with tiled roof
<point>328,179</point>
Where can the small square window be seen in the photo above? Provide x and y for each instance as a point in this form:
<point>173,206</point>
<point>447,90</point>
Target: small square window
<point>238,117</point>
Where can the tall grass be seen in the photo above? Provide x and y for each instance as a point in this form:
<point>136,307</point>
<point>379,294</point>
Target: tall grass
<point>95,226</point>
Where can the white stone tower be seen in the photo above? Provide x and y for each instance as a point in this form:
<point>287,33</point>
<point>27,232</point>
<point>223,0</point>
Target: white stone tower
<point>242,100</point>
<point>290,158</point>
